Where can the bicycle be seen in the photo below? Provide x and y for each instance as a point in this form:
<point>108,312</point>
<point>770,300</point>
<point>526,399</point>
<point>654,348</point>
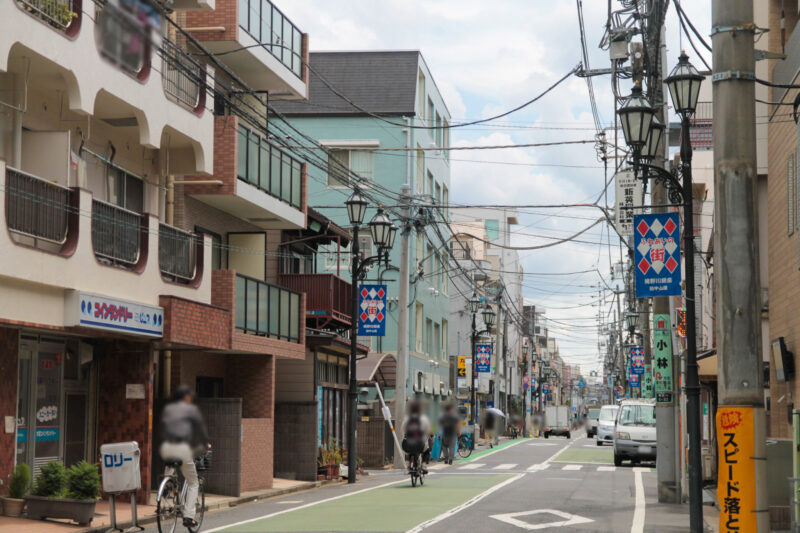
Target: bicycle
<point>169,502</point>
<point>416,471</point>
<point>464,445</point>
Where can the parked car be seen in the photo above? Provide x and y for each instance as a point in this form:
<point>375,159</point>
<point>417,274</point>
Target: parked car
<point>635,432</point>
<point>605,424</point>
<point>556,421</point>
<point>591,421</point>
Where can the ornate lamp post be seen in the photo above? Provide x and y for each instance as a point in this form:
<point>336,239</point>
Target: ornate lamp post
<point>383,232</point>
<point>489,316</point>
<point>684,88</point>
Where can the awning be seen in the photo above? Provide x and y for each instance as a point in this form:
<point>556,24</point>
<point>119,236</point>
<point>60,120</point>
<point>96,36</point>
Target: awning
<point>380,368</point>
<point>707,363</point>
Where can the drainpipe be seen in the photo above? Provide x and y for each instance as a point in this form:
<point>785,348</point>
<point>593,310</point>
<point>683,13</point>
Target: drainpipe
<point>166,355</point>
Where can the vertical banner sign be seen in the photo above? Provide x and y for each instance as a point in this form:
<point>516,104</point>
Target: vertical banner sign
<point>372,309</point>
<point>662,359</point>
<point>462,365</point>
<point>657,255</point>
<point>637,360</point>
<point>633,381</point>
<point>737,471</point>
<point>628,197</point>
<point>647,382</point>
<point>483,357</point>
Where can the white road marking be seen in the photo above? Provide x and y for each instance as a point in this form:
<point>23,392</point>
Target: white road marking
<point>505,466</point>
<point>543,444</point>
<point>310,504</point>
<point>606,468</point>
<point>538,467</point>
<point>465,505</point>
<point>572,467</point>
<point>498,450</point>
<point>289,501</point>
<point>566,519</point>
<point>437,466</point>
<point>472,466</point>
<point>638,512</point>
<point>546,463</point>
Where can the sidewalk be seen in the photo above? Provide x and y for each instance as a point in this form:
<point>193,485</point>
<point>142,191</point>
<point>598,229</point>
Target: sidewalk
<point>146,513</point>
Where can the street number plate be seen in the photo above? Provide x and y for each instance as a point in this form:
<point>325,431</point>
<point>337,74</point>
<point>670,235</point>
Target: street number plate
<point>644,449</point>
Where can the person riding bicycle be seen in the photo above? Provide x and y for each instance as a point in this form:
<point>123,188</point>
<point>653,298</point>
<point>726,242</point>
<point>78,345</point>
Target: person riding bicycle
<point>185,436</point>
<point>416,431</point>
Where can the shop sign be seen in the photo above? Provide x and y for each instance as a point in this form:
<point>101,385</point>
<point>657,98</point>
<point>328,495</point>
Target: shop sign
<point>112,314</point>
<point>657,255</point>
<point>737,470</point>
<point>372,309</point>
<point>662,359</point>
<point>483,357</point>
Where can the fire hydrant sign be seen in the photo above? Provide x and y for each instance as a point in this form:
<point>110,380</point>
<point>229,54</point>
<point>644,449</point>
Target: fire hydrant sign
<point>657,255</point>
<point>662,359</point>
<point>372,311</point>
<point>737,471</point>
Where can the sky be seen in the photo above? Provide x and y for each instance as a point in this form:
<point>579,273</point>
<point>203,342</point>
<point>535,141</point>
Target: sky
<point>486,58</point>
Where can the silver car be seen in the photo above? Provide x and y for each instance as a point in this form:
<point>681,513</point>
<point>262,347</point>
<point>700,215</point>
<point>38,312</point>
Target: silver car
<point>635,432</point>
<point>605,424</point>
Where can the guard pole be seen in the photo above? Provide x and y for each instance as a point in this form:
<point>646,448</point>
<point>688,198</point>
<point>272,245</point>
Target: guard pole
<point>387,415</point>
<point>740,417</point>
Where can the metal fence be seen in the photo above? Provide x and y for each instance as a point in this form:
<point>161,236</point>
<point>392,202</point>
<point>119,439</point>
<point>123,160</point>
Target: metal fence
<point>36,207</point>
<point>122,38</point>
<point>177,252</point>
<point>181,75</point>
<point>115,233</point>
<point>268,25</point>
<point>269,168</point>
<point>57,13</point>
<point>266,309</point>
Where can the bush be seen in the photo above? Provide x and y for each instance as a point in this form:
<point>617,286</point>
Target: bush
<point>83,481</point>
<point>20,481</point>
<point>51,481</point>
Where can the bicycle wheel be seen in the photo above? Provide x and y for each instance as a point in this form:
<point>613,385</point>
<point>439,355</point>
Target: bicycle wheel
<point>464,450</point>
<point>200,507</point>
<point>167,504</point>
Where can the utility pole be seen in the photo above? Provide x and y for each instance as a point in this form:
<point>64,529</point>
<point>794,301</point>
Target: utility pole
<point>498,353</point>
<point>739,359</point>
<point>400,387</point>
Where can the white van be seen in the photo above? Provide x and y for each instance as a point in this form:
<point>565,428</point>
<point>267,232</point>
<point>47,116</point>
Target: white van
<point>635,431</point>
<point>605,424</point>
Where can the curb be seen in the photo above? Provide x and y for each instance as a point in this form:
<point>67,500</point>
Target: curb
<point>232,502</point>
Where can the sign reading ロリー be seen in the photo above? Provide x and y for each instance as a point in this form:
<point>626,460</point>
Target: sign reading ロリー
<point>657,255</point>
<point>112,314</point>
<point>662,359</point>
<point>372,311</point>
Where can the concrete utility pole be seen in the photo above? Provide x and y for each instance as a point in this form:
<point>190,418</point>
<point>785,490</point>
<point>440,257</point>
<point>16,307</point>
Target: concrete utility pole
<point>402,319</point>
<point>736,261</point>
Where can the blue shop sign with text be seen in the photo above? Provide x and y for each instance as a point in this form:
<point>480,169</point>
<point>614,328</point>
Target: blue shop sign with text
<point>657,254</point>
<point>483,356</point>
<point>372,311</point>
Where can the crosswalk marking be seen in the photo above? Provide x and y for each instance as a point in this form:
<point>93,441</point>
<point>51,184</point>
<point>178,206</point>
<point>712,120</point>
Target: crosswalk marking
<point>505,466</point>
<point>538,467</point>
<point>572,467</point>
<point>606,468</point>
<point>472,466</point>
<point>437,466</point>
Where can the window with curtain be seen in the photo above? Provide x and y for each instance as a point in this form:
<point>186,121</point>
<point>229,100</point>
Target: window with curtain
<point>420,171</point>
<point>360,162</point>
<point>421,95</point>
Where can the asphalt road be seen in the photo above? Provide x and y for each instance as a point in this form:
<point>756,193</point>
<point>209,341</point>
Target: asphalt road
<point>524,485</point>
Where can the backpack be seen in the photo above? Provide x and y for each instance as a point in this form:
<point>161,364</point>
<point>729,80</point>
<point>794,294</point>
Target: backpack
<point>413,440</point>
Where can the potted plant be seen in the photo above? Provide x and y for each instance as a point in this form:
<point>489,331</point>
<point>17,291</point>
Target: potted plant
<point>62,493</point>
<point>20,483</point>
<point>330,459</point>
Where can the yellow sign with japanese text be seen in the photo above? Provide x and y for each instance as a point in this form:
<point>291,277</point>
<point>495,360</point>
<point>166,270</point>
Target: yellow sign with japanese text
<point>736,488</point>
<point>462,364</point>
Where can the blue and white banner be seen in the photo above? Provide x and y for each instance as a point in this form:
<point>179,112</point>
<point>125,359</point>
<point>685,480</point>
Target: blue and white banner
<point>637,360</point>
<point>372,311</point>
<point>483,357</point>
<point>112,314</point>
<point>657,254</point>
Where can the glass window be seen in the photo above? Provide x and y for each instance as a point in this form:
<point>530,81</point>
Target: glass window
<point>286,50</point>
<point>263,167</point>
<point>420,171</point>
<point>266,24</point>
<point>297,52</point>
<point>244,9</point>
<point>297,183</point>
<point>294,311</point>
<point>251,311</point>
<point>255,15</point>
<point>284,332</point>
<point>362,162</point>
<point>274,310</point>
<point>252,158</point>
<point>275,174</point>
<point>240,297</point>
<point>241,170</point>
<point>492,229</point>
<point>637,415</point>
<point>338,163</point>
<point>263,313</point>
<point>277,25</point>
<point>608,413</point>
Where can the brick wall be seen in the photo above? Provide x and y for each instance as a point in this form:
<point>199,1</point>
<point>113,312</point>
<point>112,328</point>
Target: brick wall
<point>257,449</point>
<point>226,153</point>
<point>196,324</point>
<point>9,352</point>
<point>252,378</point>
<point>226,15</point>
<point>296,441</point>
<point>120,419</point>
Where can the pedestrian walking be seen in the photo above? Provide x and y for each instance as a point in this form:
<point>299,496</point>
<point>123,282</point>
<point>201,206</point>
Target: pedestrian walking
<point>450,425</point>
<point>490,423</point>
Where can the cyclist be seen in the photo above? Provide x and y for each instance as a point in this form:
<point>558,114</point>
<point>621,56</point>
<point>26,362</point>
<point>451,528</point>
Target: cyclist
<point>416,430</point>
<point>185,436</point>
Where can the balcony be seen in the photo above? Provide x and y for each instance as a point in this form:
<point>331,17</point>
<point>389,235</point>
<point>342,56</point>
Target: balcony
<point>123,36</point>
<point>270,49</point>
<point>63,15</point>
<point>177,253</point>
<point>183,77</point>
<point>36,209</point>
<point>267,310</point>
<point>328,298</point>
<point>260,183</point>
<point>116,234</point>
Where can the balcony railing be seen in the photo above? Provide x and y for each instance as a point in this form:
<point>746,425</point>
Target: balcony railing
<point>36,207</point>
<point>115,233</point>
<point>267,25</point>
<point>123,36</point>
<point>270,169</point>
<point>177,256</point>
<point>327,296</point>
<point>60,14</point>
<point>181,75</point>
<point>267,310</point>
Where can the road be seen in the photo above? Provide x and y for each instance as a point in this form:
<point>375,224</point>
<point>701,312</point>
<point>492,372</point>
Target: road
<point>523,485</point>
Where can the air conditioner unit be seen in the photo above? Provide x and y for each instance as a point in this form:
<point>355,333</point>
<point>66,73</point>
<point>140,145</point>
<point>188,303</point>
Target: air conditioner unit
<point>419,384</point>
<point>429,383</point>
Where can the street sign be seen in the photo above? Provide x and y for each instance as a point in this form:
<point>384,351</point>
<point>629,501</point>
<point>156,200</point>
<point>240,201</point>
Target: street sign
<point>637,360</point>
<point>463,362</point>
<point>628,197</point>
<point>662,359</point>
<point>657,254</point>
<point>680,319</point>
<point>647,382</point>
<point>372,309</point>
<point>483,357</point>
<point>633,381</point>
<point>738,453</point>
<point>525,382</point>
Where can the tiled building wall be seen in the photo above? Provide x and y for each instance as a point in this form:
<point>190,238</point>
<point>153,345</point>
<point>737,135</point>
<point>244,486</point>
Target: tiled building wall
<point>257,450</point>
<point>196,324</point>
<point>224,420</point>
<point>252,378</point>
<point>296,440</point>
<point>120,419</point>
<point>9,352</point>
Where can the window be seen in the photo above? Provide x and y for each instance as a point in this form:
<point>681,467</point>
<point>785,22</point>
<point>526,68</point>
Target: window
<point>430,184</point>
<point>438,130</point>
<point>445,353</point>
<point>492,229</point>
<point>443,274</point>
<point>421,95</point>
<point>419,247</point>
<point>437,342</point>
<point>431,112</point>
<point>418,311</point>
<point>429,337</point>
<point>216,246</point>
<point>342,258</point>
<point>446,141</point>
<point>429,265</point>
<point>420,170</point>
<point>125,190</point>
<point>360,162</point>
<point>438,194</point>
<point>445,202</point>
<point>268,168</point>
<point>637,415</point>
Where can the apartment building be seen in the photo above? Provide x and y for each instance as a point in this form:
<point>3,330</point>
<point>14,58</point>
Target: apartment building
<point>137,249</point>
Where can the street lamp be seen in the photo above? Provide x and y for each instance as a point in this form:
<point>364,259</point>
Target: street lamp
<point>684,88</point>
<point>383,232</point>
<point>632,320</point>
<point>489,316</point>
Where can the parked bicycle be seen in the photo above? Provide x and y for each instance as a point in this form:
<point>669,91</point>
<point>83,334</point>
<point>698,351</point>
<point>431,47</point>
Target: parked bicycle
<point>416,471</point>
<point>172,494</point>
<point>464,445</point>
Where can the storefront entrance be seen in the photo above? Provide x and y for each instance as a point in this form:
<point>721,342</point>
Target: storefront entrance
<point>52,401</point>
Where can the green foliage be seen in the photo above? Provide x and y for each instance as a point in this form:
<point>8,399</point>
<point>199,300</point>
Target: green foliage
<point>20,481</point>
<point>330,454</point>
<point>83,481</point>
<point>51,481</point>
<point>57,13</point>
